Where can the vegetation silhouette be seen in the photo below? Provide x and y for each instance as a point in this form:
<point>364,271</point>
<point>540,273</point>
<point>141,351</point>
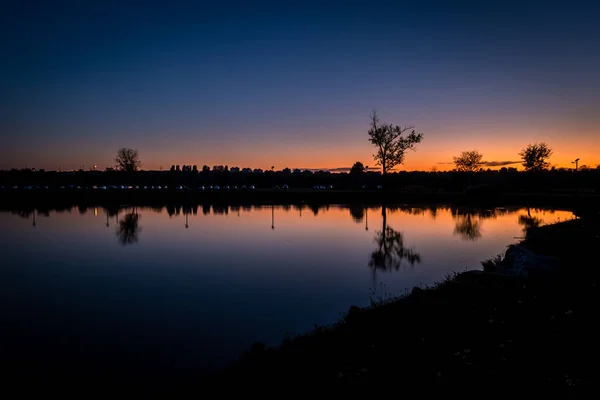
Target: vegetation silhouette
<point>468,161</point>
<point>534,156</point>
<point>127,160</point>
<point>391,146</point>
<point>390,251</point>
<point>245,183</point>
<point>128,230</point>
<point>357,168</point>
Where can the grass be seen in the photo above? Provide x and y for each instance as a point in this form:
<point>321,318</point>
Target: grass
<point>474,331</point>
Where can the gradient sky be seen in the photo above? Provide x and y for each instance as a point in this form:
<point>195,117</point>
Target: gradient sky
<point>291,84</point>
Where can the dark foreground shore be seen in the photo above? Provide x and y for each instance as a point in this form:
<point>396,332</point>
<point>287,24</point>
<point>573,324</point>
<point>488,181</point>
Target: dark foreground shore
<point>475,332</point>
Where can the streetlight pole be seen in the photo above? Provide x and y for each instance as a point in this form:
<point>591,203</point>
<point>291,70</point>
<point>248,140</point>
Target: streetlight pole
<point>576,162</point>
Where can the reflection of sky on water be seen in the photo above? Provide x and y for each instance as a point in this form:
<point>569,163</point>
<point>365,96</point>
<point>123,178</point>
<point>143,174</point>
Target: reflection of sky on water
<point>234,275</point>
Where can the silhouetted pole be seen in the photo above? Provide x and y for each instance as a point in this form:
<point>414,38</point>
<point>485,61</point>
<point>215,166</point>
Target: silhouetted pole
<point>106,211</point>
<point>576,162</point>
<point>186,221</point>
<point>366,218</point>
<point>34,217</point>
<point>272,217</point>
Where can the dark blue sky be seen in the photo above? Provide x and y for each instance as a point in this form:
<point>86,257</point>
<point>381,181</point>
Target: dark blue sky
<point>260,84</point>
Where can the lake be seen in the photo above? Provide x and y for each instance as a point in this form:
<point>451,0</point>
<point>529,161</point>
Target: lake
<point>188,289</point>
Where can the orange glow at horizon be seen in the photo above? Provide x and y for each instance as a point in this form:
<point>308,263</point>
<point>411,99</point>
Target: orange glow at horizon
<point>329,152</point>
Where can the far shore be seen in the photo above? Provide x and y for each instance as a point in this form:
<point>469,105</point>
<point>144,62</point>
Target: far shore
<point>48,197</point>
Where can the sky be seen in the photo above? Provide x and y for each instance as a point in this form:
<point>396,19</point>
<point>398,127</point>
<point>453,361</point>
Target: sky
<point>291,84</point>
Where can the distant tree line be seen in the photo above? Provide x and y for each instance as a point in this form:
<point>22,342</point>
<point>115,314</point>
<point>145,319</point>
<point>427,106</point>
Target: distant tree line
<point>391,143</point>
<point>506,179</point>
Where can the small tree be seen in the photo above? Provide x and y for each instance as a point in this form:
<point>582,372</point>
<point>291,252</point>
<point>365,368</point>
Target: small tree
<point>357,168</point>
<point>391,146</point>
<point>468,161</point>
<point>534,156</point>
<point>127,160</point>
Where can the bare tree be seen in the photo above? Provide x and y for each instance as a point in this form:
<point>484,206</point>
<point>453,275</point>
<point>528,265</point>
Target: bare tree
<point>534,156</point>
<point>391,145</point>
<point>128,160</point>
<point>468,161</point>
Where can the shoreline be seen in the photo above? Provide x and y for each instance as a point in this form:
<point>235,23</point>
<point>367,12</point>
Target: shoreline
<point>474,329</point>
<point>57,198</point>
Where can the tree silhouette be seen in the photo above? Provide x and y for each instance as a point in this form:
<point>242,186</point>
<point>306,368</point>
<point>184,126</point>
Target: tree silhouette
<point>390,251</point>
<point>128,160</point>
<point>534,156</point>
<point>467,227</point>
<point>391,146</point>
<point>468,161</point>
<point>357,168</point>
<point>128,229</point>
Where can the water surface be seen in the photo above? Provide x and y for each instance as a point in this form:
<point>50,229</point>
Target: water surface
<point>190,288</point>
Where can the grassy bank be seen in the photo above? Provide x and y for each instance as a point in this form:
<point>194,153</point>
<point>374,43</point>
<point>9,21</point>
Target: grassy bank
<point>474,331</point>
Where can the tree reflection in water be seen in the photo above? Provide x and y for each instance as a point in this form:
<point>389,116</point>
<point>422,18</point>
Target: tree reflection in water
<point>128,230</point>
<point>390,252</point>
<point>529,223</point>
<point>357,213</point>
<point>467,227</point>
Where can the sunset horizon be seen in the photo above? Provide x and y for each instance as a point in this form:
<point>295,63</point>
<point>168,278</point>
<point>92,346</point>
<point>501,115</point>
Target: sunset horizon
<point>269,84</point>
<point>264,195</point>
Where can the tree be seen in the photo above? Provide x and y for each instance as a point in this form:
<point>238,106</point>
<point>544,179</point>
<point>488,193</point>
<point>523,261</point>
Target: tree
<point>534,156</point>
<point>391,145</point>
<point>127,160</point>
<point>468,161</point>
<point>357,168</point>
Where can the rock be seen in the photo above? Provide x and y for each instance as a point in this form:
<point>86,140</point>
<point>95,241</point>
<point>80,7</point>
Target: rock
<point>520,261</point>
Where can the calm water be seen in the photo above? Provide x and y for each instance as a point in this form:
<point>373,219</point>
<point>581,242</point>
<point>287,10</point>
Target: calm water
<point>192,288</point>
